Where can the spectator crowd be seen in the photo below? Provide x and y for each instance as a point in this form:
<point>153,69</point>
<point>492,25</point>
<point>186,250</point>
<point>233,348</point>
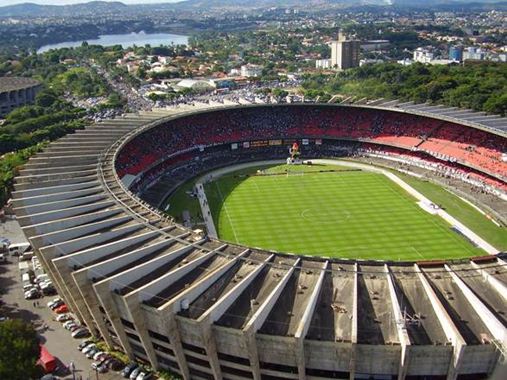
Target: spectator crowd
<point>473,153</point>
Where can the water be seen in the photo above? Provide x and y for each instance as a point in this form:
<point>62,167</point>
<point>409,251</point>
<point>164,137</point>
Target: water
<point>125,40</point>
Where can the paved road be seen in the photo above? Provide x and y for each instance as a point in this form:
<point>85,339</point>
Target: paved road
<point>57,340</point>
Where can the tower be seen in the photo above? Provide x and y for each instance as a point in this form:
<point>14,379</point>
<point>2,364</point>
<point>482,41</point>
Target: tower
<point>344,52</point>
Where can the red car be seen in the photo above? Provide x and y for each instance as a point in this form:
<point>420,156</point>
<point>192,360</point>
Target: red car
<point>62,309</point>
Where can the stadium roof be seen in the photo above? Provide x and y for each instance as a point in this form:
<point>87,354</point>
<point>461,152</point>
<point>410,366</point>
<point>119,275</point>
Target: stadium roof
<point>472,118</point>
<point>16,83</point>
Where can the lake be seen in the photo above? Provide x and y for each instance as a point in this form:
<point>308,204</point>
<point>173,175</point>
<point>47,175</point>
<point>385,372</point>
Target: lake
<point>125,40</point>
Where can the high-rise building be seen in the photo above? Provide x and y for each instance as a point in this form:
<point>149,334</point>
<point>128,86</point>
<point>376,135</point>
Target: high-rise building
<point>423,55</point>
<point>456,53</point>
<point>344,52</point>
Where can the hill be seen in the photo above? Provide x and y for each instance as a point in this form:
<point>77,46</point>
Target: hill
<point>116,7</point>
<point>37,10</point>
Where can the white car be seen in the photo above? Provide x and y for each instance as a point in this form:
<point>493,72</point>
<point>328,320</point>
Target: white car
<point>144,376</point>
<point>98,354</point>
<point>45,283</point>
<point>64,318</point>
<point>51,303</point>
<point>88,348</point>
<point>32,294</point>
<point>69,325</point>
<point>135,373</point>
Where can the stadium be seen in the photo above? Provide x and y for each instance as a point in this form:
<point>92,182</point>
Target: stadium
<point>376,271</point>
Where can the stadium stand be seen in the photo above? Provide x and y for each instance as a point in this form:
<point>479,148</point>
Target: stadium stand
<point>202,308</point>
<point>449,143</point>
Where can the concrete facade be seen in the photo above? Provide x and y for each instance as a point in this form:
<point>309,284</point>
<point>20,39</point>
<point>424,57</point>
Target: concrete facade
<point>344,53</point>
<point>205,309</point>
<point>16,92</point>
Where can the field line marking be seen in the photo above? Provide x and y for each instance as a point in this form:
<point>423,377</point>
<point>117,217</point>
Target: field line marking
<point>417,251</point>
<point>226,211</point>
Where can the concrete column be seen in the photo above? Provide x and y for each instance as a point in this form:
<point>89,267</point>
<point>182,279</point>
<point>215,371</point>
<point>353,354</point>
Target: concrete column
<point>28,193</point>
<point>67,223</point>
<point>353,348</point>
<point>50,198</point>
<point>447,324</point>
<point>221,305</point>
<point>105,297</point>
<point>495,283</point>
<point>73,296</point>
<point>54,275</point>
<point>61,214</point>
<point>132,303</point>
<point>79,231</point>
<point>495,326</point>
<point>257,320</point>
<point>400,326</point>
<point>58,205</point>
<point>210,346</point>
<point>172,331</point>
<point>90,298</point>
<point>304,324</point>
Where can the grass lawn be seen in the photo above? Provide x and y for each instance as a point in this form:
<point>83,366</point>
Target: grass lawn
<point>466,214</point>
<point>180,201</point>
<point>349,214</point>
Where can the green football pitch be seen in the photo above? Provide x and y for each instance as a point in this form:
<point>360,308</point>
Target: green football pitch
<point>342,213</point>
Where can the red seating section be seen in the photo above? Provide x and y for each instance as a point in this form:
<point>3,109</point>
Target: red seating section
<point>444,140</point>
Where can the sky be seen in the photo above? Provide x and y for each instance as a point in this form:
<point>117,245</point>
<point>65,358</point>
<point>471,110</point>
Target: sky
<point>62,2</point>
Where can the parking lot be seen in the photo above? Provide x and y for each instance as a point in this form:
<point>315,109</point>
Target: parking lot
<point>57,340</point>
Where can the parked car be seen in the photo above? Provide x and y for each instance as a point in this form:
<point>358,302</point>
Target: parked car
<point>64,318</point>
<point>92,352</point>
<point>56,304</point>
<point>114,364</point>
<point>32,294</point>
<point>26,256</point>
<point>145,375</point>
<point>135,373</point>
<point>83,344</point>
<point>48,289</point>
<point>62,309</point>
<point>16,249</point>
<point>53,301</point>
<point>88,348</point>
<point>72,325</point>
<point>82,332</point>
<point>75,327</point>
<point>41,278</point>
<point>98,354</point>
<point>129,368</point>
<point>102,368</point>
<point>67,324</point>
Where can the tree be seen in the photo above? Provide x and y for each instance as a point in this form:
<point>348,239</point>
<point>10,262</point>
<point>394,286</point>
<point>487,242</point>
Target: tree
<point>279,93</point>
<point>19,350</point>
<point>497,104</point>
<point>46,98</point>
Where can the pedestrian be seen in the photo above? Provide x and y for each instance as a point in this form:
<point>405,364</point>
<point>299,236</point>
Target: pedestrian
<point>34,304</point>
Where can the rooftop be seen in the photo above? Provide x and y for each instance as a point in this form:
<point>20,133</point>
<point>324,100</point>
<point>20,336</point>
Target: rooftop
<point>15,83</point>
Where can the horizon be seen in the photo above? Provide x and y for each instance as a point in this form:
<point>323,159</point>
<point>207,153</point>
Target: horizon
<point>70,2</point>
